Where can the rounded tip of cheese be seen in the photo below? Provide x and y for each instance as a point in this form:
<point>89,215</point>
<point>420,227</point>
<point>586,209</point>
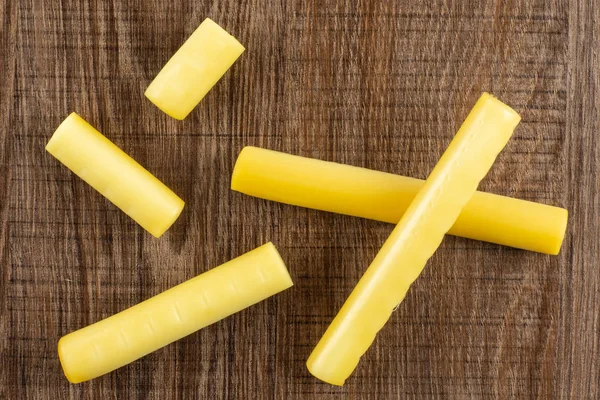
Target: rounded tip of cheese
<point>508,112</point>
<point>326,376</point>
<point>63,129</point>
<point>561,230</point>
<point>158,231</point>
<point>282,269</point>
<point>238,168</point>
<point>63,364</point>
<point>210,24</point>
<point>155,96</point>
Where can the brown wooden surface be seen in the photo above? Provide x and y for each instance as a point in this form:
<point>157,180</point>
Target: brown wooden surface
<point>379,84</point>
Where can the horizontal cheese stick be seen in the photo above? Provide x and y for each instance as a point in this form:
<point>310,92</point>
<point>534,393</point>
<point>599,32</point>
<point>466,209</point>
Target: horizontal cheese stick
<point>118,340</point>
<point>120,179</point>
<point>194,70</point>
<point>413,241</point>
<point>365,193</point>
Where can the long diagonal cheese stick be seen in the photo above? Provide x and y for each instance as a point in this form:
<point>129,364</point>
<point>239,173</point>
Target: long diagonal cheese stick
<point>365,193</point>
<point>414,240</point>
<point>118,340</point>
<point>118,177</point>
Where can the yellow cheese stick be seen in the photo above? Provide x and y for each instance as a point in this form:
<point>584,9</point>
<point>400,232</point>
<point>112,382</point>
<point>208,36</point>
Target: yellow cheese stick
<point>414,240</point>
<point>96,160</point>
<point>194,70</point>
<point>365,193</point>
<point>118,340</point>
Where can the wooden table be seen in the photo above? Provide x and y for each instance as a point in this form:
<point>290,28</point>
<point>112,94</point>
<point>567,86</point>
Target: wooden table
<point>378,84</point>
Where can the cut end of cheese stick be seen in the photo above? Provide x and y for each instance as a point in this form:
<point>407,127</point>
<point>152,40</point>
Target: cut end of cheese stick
<point>381,196</point>
<point>194,69</point>
<point>413,241</point>
<point>119,178</point>
<point>118,340</point>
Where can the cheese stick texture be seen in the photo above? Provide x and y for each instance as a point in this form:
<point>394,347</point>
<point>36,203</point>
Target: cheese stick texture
<point>118,177</point>
<point>381,196</point>
<point>118,340</point>
<point>413,241</point>
<point>194,69</point>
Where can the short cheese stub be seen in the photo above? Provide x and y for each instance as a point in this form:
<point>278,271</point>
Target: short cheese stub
<point>194,69</point>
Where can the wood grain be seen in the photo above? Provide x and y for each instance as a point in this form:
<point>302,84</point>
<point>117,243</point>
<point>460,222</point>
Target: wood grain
<point>379,84</point>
